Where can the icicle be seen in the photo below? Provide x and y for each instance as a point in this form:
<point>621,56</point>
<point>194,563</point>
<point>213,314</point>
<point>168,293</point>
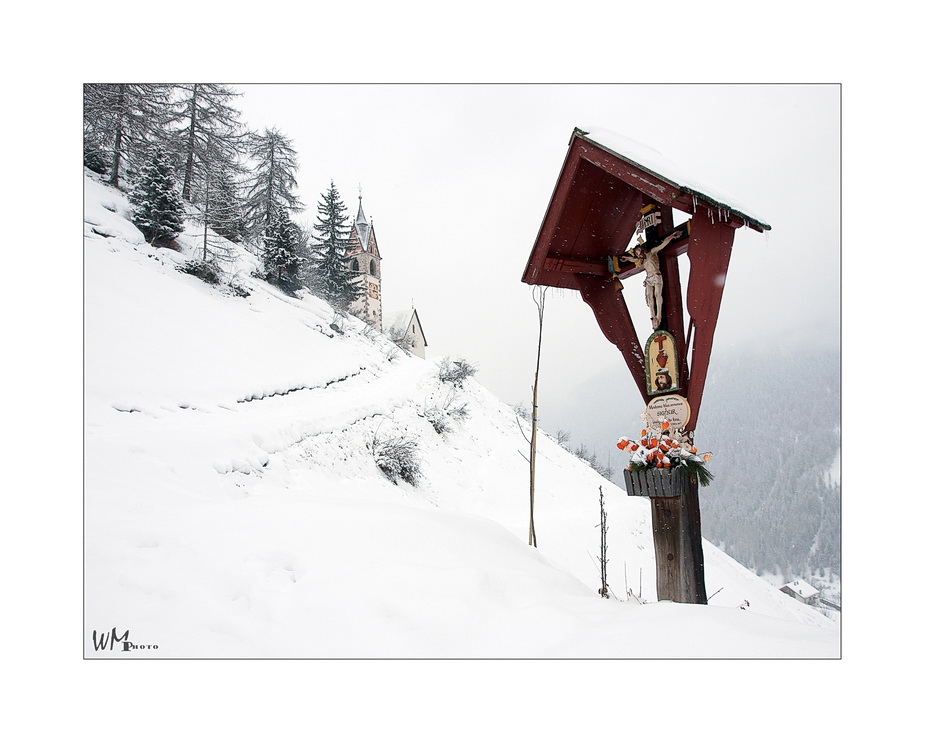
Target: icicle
<point>695,202</point>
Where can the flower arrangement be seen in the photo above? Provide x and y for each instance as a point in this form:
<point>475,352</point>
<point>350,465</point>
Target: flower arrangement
<point>663,450</point>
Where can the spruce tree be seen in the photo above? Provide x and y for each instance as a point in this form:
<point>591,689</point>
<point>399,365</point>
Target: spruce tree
<point>331,278</point>
<point>158,207</point>
<point>282,259</point>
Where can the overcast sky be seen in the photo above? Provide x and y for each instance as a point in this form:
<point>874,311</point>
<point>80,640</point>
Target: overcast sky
<point>457,178</point>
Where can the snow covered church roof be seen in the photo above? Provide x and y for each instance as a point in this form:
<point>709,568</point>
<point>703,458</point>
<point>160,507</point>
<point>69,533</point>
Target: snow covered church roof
<point>399,321</point>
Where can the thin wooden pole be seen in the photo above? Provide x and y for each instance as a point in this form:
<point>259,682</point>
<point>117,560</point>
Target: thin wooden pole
<point>539,298</point>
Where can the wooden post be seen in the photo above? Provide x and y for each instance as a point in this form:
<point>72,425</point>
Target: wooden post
<point>679,548</point>
<point>675,504</point>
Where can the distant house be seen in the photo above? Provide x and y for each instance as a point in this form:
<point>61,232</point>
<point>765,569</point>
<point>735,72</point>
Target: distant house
<point>404,327</point>
<point>801,591</point>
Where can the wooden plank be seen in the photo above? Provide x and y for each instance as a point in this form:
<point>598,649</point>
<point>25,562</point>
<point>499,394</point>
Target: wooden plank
<point>614,320</point>
<point>709,252</point>
<point>666,534</point>
<point>590,267</point>
<point>655,187</point>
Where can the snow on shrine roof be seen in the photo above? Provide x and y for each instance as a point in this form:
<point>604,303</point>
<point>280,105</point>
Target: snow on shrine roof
<point>653,162</point>
<point>801,588</point>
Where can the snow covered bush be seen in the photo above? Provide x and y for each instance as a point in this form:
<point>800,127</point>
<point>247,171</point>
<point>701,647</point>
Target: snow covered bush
<point>96,160</point>
<point>440,414</point>
<point>397,457</point>
<point>438,418</point>
<point>205,270</point>
<point>455,372</point>
<point>663,450</point>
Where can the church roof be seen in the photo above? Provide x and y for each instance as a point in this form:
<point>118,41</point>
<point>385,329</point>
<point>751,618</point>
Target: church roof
<point>400,321</point>
<point>362,227</point>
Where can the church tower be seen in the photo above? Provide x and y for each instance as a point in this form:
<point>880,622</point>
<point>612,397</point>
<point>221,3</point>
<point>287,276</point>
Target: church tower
<point>364,262</point>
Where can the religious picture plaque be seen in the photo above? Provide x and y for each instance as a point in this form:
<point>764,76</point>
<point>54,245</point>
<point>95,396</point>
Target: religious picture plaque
<point>661,363</point>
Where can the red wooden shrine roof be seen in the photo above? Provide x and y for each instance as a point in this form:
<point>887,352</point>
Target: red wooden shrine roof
<point>596,202</point>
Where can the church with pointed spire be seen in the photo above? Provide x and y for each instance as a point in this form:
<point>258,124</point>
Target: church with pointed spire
<point>365,263</point>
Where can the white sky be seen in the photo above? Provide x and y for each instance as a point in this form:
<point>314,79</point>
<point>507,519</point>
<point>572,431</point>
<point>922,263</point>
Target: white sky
<point>457,178</point>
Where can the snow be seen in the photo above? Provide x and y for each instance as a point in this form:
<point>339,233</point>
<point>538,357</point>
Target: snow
<point>233,508</point>
<point>802,588</point>
<point>657,163</point>
<point>397,321</point>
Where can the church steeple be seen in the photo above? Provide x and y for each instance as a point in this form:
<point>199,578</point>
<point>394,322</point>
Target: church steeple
<point>365,264</point>
<point>362,226</point>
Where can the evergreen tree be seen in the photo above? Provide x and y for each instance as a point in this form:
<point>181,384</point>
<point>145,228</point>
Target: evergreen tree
<point>331,278</point>
<point>158,207</point>
<point>272,183</point>
<point>208,133</point>
<point>282,258</point>
<point>123,120</point>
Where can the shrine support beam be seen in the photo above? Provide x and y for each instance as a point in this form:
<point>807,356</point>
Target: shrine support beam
<point>709,250</point>
<point>614,320</point>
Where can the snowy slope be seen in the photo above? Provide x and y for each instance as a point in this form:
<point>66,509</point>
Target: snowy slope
<point>233,507</point>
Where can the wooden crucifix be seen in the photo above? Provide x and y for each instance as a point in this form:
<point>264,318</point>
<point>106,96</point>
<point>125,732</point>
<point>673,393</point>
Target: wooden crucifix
<point>602,198</point>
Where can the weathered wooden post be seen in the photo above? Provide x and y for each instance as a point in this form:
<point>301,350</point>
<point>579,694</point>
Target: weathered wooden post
<point>608,190</point>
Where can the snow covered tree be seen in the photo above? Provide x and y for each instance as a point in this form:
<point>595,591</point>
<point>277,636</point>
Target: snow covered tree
<point>123,120</point>
<point>225,212</point>
<point>209,132</point>
<point>272,183</point>
<point>219,206</point>
<point>158,207</point>
<point>282,257</point>
<point>331,279</point>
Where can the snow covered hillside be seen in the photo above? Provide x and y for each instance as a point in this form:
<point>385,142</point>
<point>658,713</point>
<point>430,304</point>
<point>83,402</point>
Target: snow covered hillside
<point>234,508</point>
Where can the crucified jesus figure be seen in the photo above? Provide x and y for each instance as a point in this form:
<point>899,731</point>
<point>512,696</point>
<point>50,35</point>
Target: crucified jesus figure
<point>647,258</point>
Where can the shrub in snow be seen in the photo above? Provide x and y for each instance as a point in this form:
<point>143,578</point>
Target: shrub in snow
<point>438,418</point>
<point>397,457</point>
<point>238,289</point>
<point>205,270</point>
<point>440,415</point>
<point>455,372</point>
<point>95,160</point>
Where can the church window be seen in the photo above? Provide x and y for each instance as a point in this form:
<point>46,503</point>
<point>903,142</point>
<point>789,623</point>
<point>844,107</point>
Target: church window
<point>355,266</point>
<point>372,267</point>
